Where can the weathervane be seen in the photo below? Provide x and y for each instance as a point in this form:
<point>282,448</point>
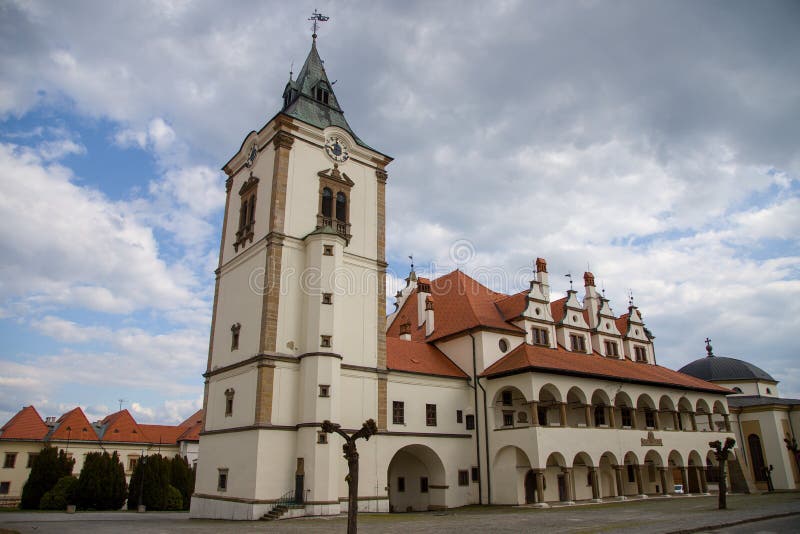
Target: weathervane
<point>412,262</point>
<point>316,18</point>
<point>569,275</point>
<point>709,348</point>
<point>630,297</point>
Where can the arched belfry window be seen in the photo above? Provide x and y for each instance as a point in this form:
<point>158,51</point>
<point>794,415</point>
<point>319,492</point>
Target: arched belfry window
<point>327,203</point>
<point>341,207</point>
<point>322,92</point>
<point>334,195</point>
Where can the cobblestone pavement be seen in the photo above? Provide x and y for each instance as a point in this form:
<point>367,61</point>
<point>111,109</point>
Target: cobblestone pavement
<point>655,515</point>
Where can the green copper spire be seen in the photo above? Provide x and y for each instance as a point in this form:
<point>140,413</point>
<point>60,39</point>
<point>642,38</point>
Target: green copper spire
<point>310,97</point>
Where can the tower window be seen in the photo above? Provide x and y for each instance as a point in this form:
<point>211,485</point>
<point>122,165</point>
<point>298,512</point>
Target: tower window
<point>327,298</point>
<point>327,203</point>
<point>341,207</point>
<point>321,93</point>
<point>235,329</point>
<point>325,342</point>
<point>229,393</point>
<point>324,390</point>
<point>247,213</point>
<point>322,438</point>
<point>327,250</point>
<point>222,480</point>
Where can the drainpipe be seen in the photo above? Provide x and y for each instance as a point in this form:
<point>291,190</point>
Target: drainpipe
<point>477,425</point>
<point>486,428</point>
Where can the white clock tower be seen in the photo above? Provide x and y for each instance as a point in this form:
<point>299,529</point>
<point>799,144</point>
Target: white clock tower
<point>298,328</point>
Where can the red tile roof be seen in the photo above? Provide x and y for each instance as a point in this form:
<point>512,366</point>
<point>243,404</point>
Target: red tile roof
<point>560,361</point>
<point>622,324</point>
<point>462,303</point>
<point>121,426</point>
<point>419,357</point>
<point>26,424</point>
<point>192,427</point>
<point>513,306</point>
<point>196,417</point>
<point>162,434</point>
<point>74,426</point>
<point>558,309</point>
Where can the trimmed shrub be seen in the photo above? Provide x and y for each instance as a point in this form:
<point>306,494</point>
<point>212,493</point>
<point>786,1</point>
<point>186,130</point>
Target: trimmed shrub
<point>62,494</point>
<point>174,500</point>
<point>48,467</point>
<point>101,485</point>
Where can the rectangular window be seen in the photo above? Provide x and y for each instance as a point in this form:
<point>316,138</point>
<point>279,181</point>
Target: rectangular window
<point>640,353</point>
<point>10,460</point>
<point>507,398</point>
<point>229,393</point>
<point>430,414</point>
<point>31,458</point>
<point>540,337</point>
<point>327,298</point>
<point>327,250</point>
<point>325,342</point>
<point>401,484</point>
<point>463,477</point>
<point>322,438</point>
<point>470,422</point>
<point>5,488</point>
<point>398,412</point>
<point>222,480</point>
<point>508,418</point>
<point>577,343</point>
<point>459,416</point>
<point>423,485</point>
<point>324,390</point>
<point>476,474</point>
<point>132,463</point>
<point>626,416</point>
<point>611,349</point>
<point>235,329</point>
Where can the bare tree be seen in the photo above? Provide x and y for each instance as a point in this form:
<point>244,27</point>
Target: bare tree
<point>368,429</point>
<point>721,452</point>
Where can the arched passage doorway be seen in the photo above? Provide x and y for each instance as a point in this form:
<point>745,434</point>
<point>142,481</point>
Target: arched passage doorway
<point>416,480</point>
<point>756,457</point>
<point>512,467</point>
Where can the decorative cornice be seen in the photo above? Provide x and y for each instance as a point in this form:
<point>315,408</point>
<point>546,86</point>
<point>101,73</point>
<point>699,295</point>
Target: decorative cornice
<point>328,354</point>
<point>336,175</point>
<point>382,175</point>
<point>283,140</point>
<point>249,184</point>
<point>228,184</point>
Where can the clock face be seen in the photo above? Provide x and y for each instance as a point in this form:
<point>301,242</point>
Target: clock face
<point>336,148</point>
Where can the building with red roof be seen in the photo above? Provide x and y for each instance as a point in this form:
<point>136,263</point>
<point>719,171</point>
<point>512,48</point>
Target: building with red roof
<point>24,435</point>
<point>478,397</point>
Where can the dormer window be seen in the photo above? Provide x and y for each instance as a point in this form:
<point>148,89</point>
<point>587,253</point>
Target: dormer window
<point>577,343</point>
<point>322,93</point>
<point>640,353</point>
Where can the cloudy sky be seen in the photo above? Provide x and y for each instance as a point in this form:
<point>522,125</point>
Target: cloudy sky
<point>657,143</point>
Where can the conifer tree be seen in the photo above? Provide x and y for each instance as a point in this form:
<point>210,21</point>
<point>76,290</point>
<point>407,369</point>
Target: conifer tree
<point>182,478</point>
<point>48,467</point>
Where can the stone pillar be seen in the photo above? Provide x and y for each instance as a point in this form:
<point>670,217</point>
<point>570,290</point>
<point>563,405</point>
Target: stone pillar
<point>710,422</point>
<point>634,416</point>
<point>637,474</point>
<point>587,411</point>
<point>595,483</point>
<point>612,418</point>
<point>563,413</point>
<point>663,473</point>
<point>539,473</point>
<point>656,420</point>
<point>685,479</point>
<point>693,421</point>
<point>618,475</point>
<point>676,420</point>
<point>703,482</point>
<point>727,422</point>
<point>535,413</point>
<point>567,471</point>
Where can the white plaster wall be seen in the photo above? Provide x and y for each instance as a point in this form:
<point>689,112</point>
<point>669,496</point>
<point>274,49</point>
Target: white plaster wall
<point>449,395</point>
<point>243,382</point>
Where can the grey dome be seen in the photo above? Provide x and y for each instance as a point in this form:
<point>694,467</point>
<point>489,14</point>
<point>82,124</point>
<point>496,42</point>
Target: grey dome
<point>713,368</point>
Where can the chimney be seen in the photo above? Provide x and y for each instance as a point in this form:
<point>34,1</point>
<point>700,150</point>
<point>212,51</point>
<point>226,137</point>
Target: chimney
<point>591,300</point>
<point>405,330</point>
<point>542,277</point>
<point>429,325</point>
<point>423,292</point>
